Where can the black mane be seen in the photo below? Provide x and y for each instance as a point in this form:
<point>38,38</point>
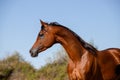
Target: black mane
<point>86,45</point>
<point>55,24</point>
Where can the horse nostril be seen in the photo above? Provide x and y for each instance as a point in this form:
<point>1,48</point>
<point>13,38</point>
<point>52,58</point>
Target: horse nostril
<point>31,52</point>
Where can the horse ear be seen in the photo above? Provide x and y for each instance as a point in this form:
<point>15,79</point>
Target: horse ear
<point>43,23</point>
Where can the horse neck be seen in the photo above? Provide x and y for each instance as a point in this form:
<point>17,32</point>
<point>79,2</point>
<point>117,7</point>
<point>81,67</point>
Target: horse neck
<point>71,44</point>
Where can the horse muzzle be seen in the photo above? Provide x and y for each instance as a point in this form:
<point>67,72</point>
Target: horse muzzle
<point>34,52</point>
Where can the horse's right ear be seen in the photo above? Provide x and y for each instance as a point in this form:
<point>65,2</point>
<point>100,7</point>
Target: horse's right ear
<point>43,23</point>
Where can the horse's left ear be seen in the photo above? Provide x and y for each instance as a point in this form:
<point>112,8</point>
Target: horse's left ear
<point>43,23</point>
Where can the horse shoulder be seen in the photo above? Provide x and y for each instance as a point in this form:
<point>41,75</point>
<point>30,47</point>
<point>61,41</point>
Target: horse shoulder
<point>90,68</point>
<point>86,69</point>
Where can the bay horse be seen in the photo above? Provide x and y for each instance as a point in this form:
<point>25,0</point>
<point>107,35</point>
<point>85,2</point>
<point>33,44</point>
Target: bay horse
<point>86,62</point>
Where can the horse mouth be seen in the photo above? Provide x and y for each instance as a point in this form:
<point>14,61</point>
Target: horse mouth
<point>34,54</point>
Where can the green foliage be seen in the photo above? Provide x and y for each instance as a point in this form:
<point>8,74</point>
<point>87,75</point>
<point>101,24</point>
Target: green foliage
<point>53,71</point>
<point>15,68</point>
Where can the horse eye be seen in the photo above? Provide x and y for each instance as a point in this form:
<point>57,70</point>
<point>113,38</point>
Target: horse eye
<point>41,35</point>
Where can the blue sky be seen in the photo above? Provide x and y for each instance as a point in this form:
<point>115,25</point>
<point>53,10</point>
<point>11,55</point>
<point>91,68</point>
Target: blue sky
<point>97,20</point>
